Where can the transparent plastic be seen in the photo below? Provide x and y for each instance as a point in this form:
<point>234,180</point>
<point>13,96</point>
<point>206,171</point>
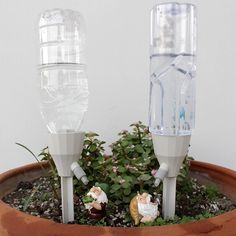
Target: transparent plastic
<point>63,77</point>
<point>172,69</point>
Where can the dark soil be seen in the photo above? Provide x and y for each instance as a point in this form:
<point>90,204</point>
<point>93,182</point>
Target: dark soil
<point>39,199</point>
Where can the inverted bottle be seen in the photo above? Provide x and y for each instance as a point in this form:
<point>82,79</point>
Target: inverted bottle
<point>62,70</point>
<point>172,69</point>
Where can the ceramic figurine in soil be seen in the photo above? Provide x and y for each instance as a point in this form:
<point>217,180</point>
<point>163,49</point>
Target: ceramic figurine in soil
<point>143,208</point>
<point>95,202</point>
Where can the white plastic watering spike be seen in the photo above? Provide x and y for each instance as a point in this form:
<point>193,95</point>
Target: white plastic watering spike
<point>66,149</point>
<point>170,152</point>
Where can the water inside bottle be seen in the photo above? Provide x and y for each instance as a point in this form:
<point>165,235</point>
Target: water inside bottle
<point>172,94</point>
<point>64,96</point>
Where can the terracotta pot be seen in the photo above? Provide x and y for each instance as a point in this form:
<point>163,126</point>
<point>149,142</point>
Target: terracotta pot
<point>16,223</point>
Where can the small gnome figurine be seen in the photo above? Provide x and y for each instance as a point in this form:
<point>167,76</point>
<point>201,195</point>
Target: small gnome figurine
<point>96,202</point>
<point>143,209</point>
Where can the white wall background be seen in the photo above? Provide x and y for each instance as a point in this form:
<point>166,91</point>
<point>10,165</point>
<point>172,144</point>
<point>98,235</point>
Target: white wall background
<point>118,59</point>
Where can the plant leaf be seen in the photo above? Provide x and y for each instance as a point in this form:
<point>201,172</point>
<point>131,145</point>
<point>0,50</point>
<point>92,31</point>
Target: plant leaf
<point>144,177</point>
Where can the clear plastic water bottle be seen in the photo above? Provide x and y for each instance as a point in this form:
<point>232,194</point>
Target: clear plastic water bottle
<point>62,70</point>
<point>172,69</point>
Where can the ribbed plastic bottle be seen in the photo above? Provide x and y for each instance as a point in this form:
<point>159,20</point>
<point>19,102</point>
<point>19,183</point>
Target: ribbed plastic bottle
<point>172,69</point>
<point>62,70</point>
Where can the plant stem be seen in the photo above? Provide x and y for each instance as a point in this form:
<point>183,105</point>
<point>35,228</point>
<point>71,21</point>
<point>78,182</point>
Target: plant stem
<point>26,204</point>
<point>139,134</point>
<point>36,158</point>
<point>45,173</point>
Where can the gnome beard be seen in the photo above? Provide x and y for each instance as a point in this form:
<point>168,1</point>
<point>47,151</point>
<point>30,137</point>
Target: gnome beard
<point>102,198</point>
<point>147,209</point>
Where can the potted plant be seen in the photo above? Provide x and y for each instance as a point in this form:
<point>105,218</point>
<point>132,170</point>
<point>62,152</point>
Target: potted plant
<point>121,175</point>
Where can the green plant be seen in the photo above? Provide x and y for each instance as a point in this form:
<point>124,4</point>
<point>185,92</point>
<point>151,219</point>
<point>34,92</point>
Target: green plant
<point>133,160</point>
<point>29,199</point>
<point>212,192</point>
<point>94,163</point>
<point>122,174</point>
<point>178,220</point>
<point>128,170</point>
